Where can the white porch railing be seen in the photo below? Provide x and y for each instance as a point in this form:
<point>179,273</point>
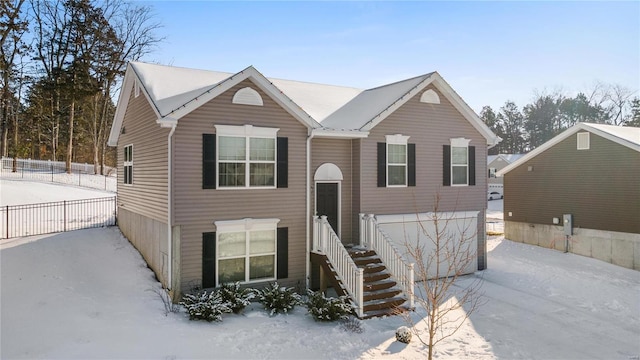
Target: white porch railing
<point>327,242</point>
<point>402,271</point>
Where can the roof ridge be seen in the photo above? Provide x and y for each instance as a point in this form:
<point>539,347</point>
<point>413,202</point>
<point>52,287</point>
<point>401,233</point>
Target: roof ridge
<point>424,76</point>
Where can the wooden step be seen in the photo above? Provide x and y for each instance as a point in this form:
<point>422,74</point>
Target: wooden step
<point>389,303</point>
<point>385,312</point>
<point>381,294</point>
<point>376,276</point>
<point>365,260</point>
<point>373,268</point>
<point>379,285</point>
<point>361,253</point>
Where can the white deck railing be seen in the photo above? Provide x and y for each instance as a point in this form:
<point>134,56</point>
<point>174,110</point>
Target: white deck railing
<point>326,241</point>
<point>401,270</point>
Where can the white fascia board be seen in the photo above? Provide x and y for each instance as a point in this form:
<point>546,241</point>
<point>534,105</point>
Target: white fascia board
<point>128,84</point>
<point>533,153</point>
<point>339,134</point>
<point>465,110</point>
<point>263,83</point>
<point>397,104</point>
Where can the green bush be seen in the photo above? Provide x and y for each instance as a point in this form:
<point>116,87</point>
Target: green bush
<point>236,297</point>
<point>328,308</point>
<point>278,299</point>
<point>205,306</point>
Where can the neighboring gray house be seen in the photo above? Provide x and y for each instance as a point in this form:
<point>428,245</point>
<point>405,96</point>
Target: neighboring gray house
<point>498,162</point>
<point>221,175</point>
<point>579,192</point>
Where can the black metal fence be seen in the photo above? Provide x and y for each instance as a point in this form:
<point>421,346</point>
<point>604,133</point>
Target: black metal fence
<point>45,218</point>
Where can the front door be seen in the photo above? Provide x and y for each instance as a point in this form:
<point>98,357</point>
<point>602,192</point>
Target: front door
<point>327,203</point>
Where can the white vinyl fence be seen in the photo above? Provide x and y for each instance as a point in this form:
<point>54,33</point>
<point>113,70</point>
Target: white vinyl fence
<point>55,172</point>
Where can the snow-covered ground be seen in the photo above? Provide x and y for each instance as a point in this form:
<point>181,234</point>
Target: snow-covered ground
<point>100,182</point>
<point>495,217</point>
<point>88,294</point>
<point>20,192</point>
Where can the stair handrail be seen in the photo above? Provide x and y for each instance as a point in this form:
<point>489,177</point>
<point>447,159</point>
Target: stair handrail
<point>328,243</point>
<point>400,269</point>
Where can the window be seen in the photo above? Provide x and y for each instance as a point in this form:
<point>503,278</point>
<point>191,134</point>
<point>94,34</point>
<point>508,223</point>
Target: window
<point>246,156</point>
<point>128,164</point>
<point>583,141</point>
<point>397,160</point>
<point>492,172</point>
<point>459,163</point>
<point>246,250</point>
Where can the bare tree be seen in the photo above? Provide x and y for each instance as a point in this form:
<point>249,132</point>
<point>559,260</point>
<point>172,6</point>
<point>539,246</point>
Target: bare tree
<point>619,98</point>
<point>444,251</point>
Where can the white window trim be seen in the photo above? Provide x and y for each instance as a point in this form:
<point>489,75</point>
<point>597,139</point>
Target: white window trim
<point>247,96</point>
<point>247,225</point>
<point>247,132</point>
<point>585,144</point>
<point>459,143</point>
<point>398,139</point>
<point>126,163</point>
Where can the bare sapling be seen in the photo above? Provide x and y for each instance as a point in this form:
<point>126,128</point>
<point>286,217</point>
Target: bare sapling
<point>444,250</point>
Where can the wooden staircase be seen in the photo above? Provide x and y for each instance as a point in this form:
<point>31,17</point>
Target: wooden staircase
<point>381,295</point>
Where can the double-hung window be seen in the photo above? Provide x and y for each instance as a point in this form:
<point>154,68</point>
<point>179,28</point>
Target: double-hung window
<point>246,250</point>
<point>397,160</point>
<point>128,164</point>
<point>460,162</point>
<point>246,156</point>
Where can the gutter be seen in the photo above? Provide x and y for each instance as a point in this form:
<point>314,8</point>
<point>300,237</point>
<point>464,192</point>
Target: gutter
<point>310,136</point>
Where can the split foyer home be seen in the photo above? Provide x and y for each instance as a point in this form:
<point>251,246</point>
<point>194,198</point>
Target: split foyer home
<point>579,192</point>
<point>238,177</point>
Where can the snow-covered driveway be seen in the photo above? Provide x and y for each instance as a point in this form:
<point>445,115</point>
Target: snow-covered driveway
<point>88,294</point>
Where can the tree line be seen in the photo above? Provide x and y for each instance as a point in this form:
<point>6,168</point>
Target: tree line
<point>62,62</point>
<point>522,130</point>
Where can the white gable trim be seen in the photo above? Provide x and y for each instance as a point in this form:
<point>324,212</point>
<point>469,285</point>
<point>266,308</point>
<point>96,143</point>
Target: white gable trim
<point>562,136</point>
<point>451,95</point>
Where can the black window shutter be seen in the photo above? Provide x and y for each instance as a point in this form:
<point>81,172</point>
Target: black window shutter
<point>208,260</point>
<point>283,162</point>
<point>208,161</point>
<point>283,253</point>
<point>382,164</point>
<point>472,165</point>
<point>411,164</point>
<point>446,165</point>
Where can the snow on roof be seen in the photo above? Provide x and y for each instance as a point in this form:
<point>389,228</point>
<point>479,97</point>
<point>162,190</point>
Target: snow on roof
<point>171,87</point>
<point>625,133</point>
<point>625,136</point>
<point>369,103</point>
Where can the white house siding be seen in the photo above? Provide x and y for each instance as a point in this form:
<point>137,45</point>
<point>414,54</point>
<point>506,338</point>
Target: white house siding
<point>430,126</point>
<point>196,209</point>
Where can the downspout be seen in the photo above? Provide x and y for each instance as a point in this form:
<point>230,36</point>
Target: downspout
<point>308,212</point>
<point>170,205</point>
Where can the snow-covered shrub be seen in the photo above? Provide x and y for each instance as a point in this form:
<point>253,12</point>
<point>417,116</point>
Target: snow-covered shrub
<point>236,297</point>
<point>352,324</point>
<point>205,306</point>
<point>278,299</point>
<point>328,308</point>
<point>403,334</point>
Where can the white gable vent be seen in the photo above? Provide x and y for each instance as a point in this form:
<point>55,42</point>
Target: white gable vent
<point>583,141</point>
<point>247,96</point>
<point>430,97</point>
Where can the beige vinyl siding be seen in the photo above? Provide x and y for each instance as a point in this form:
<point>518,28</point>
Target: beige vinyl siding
<point>600,187</point>
<point>430,126</point>
<point>338,152</point>
<point>196,209</point>
<point>147,195</point>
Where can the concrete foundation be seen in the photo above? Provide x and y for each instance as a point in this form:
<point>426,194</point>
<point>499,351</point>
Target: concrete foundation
<point>622,249</point>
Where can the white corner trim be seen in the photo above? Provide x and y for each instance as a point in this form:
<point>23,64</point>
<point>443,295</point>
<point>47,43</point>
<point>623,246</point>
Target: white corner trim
<point>430,97</point>
<point>460,142</point>
<point>396,139</point>
<point>328,172</point>
<point>247,224</point>
<point>246,130</point>
<point>247,96</point>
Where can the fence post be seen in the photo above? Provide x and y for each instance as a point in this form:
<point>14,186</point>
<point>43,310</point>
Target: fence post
<point>64,207</point>
<point>51,172</point>
<point>7,208</point>
<point>115,210</point>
